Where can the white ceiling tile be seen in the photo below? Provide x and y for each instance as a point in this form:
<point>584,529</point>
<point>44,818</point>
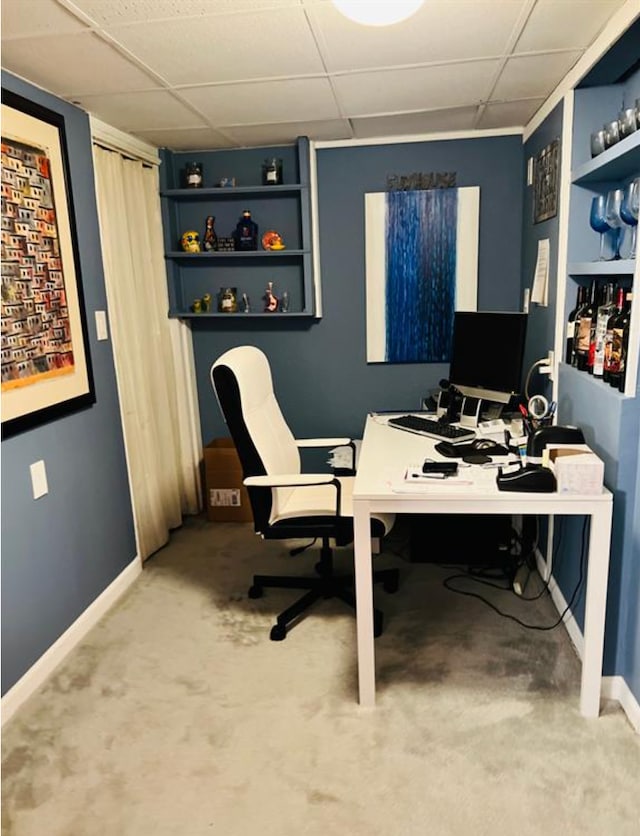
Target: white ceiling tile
<point>401,124</point>
<point>439,31</point>
<point>187,139</point>
<point>153,110</point>
<point>137,11</point>
<point>73,64</point>
<point>22,18</point>
<point>228,48</point>
<point>508,114</point>
<point>570,24</point>
<point>528,76</point>
<point>255,135</point>
<point>264,102</point>
<point>424,88</point>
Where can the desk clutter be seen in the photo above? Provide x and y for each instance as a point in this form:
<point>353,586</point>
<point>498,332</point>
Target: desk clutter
<point>530,457</point>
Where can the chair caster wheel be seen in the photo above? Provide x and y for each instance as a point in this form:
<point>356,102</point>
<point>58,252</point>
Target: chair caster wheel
<point>391,585</point>
<point>255,592</point>
<point>278,633</point>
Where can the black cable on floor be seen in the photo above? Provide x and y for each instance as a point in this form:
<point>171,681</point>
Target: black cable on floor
<point>446,584</point>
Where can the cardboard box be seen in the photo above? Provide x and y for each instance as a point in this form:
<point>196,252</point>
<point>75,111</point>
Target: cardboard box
<point>226,498</point>
<point>576,467</point>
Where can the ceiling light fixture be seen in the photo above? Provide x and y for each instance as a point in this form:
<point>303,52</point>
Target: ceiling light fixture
<point>377,12</point>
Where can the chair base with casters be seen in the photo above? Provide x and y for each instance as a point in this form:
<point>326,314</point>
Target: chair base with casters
<point>326,585</point>
<point>286,503</point>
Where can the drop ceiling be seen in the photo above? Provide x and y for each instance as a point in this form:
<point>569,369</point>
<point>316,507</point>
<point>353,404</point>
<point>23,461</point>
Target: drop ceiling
<point>204,74</point>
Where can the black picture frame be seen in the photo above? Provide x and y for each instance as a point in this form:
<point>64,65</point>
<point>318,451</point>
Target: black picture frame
<point>546,169</point>
<point>46,362</point>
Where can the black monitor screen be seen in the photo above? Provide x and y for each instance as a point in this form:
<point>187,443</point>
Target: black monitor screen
<point>487,353</point>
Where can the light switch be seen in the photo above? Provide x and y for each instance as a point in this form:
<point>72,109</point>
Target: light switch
<point>101,325</point>
<point>39,479</point>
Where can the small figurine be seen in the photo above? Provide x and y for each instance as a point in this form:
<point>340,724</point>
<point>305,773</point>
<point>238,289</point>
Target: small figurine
<point>270,299</point>
<point>246,305</point>
<point>206,302</point>
<point>210,238</point>
<point>190,241</point>
<point>245,236</point>
<point>227,300</point>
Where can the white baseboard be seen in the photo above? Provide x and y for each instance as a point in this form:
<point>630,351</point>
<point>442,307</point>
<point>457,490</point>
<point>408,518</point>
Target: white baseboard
<point>613,687</point>
<point>50,659</point>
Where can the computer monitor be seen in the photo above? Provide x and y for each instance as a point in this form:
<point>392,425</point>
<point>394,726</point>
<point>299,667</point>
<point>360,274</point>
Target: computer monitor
<point>487,352</point>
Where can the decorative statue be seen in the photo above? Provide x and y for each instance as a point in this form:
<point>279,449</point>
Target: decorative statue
<point>190,241</point>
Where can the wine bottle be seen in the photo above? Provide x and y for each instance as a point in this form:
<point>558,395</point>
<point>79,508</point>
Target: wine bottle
<point>605,310</point>
<point>608,339</point>
<point>583,330</point>
<point>624,349</point>
<point>597,301</point>
<point>618,326</point>
<point>571,324</point>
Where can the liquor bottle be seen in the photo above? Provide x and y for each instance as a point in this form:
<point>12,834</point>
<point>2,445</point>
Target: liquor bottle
<point>604,312</point>
<point>571,326</point>
<point>245,235</point>
<point>618,327</point>
<point>608,339</point>
<point>583,330</point>
<point>624,349</point>
<point>597,301</point>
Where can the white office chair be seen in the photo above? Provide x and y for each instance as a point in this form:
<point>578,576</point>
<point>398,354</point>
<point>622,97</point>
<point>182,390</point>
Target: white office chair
<point>285,502</point>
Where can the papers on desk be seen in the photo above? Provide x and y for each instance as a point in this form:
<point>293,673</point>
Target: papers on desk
<point>472,478</point>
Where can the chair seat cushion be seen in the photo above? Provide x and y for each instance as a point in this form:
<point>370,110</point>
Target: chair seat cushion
<point>320,501</point>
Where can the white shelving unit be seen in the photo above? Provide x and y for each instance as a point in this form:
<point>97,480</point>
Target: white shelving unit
<point>614,168</point>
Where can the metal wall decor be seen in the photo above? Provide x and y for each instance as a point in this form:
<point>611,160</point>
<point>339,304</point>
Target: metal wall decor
<point>545,182</point>
<point>421,180</point>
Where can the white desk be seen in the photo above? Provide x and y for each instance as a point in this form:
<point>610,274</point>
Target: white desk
<point>385,454</point>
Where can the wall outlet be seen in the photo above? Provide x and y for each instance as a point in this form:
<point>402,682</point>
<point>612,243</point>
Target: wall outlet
<point>547,368</point>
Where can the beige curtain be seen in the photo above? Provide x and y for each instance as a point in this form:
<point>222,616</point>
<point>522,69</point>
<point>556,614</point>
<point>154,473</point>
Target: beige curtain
<point>153,354</point>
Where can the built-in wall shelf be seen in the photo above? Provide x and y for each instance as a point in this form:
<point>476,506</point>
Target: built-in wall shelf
<point>177,255</point>
<point>619,162</point>
<point>284,208</point>
<point>614,168</point>
<point>232,193</point>
<point>621,267</point>
<point>277,317</point>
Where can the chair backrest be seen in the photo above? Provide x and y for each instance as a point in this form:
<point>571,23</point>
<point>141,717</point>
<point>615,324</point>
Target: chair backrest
<point>242,381</point>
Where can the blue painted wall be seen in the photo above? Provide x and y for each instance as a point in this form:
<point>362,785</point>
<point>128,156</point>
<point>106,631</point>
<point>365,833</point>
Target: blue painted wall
<point>61,551</point>
<point>320,371</point>
<point>611,423</point>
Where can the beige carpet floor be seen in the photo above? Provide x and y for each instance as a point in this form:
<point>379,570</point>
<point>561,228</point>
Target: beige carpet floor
<point>177,716</point>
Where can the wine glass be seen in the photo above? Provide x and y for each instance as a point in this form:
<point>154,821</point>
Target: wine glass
<point>629,211</point>
<point>612,216</point>
<point>598,219</point>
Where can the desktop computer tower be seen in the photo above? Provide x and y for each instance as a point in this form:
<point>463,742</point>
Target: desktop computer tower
<point>475,540</point>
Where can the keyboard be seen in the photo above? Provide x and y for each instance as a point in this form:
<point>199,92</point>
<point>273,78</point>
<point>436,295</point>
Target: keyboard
<point>432,428</point>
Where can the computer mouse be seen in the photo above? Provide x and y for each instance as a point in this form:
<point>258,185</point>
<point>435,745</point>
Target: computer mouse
<point>484,444</point>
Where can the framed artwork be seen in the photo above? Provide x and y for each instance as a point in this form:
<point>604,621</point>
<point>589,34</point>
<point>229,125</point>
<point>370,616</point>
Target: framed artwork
<point>421,266</point>
<point>545,182</point>
<point>46,366</point>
